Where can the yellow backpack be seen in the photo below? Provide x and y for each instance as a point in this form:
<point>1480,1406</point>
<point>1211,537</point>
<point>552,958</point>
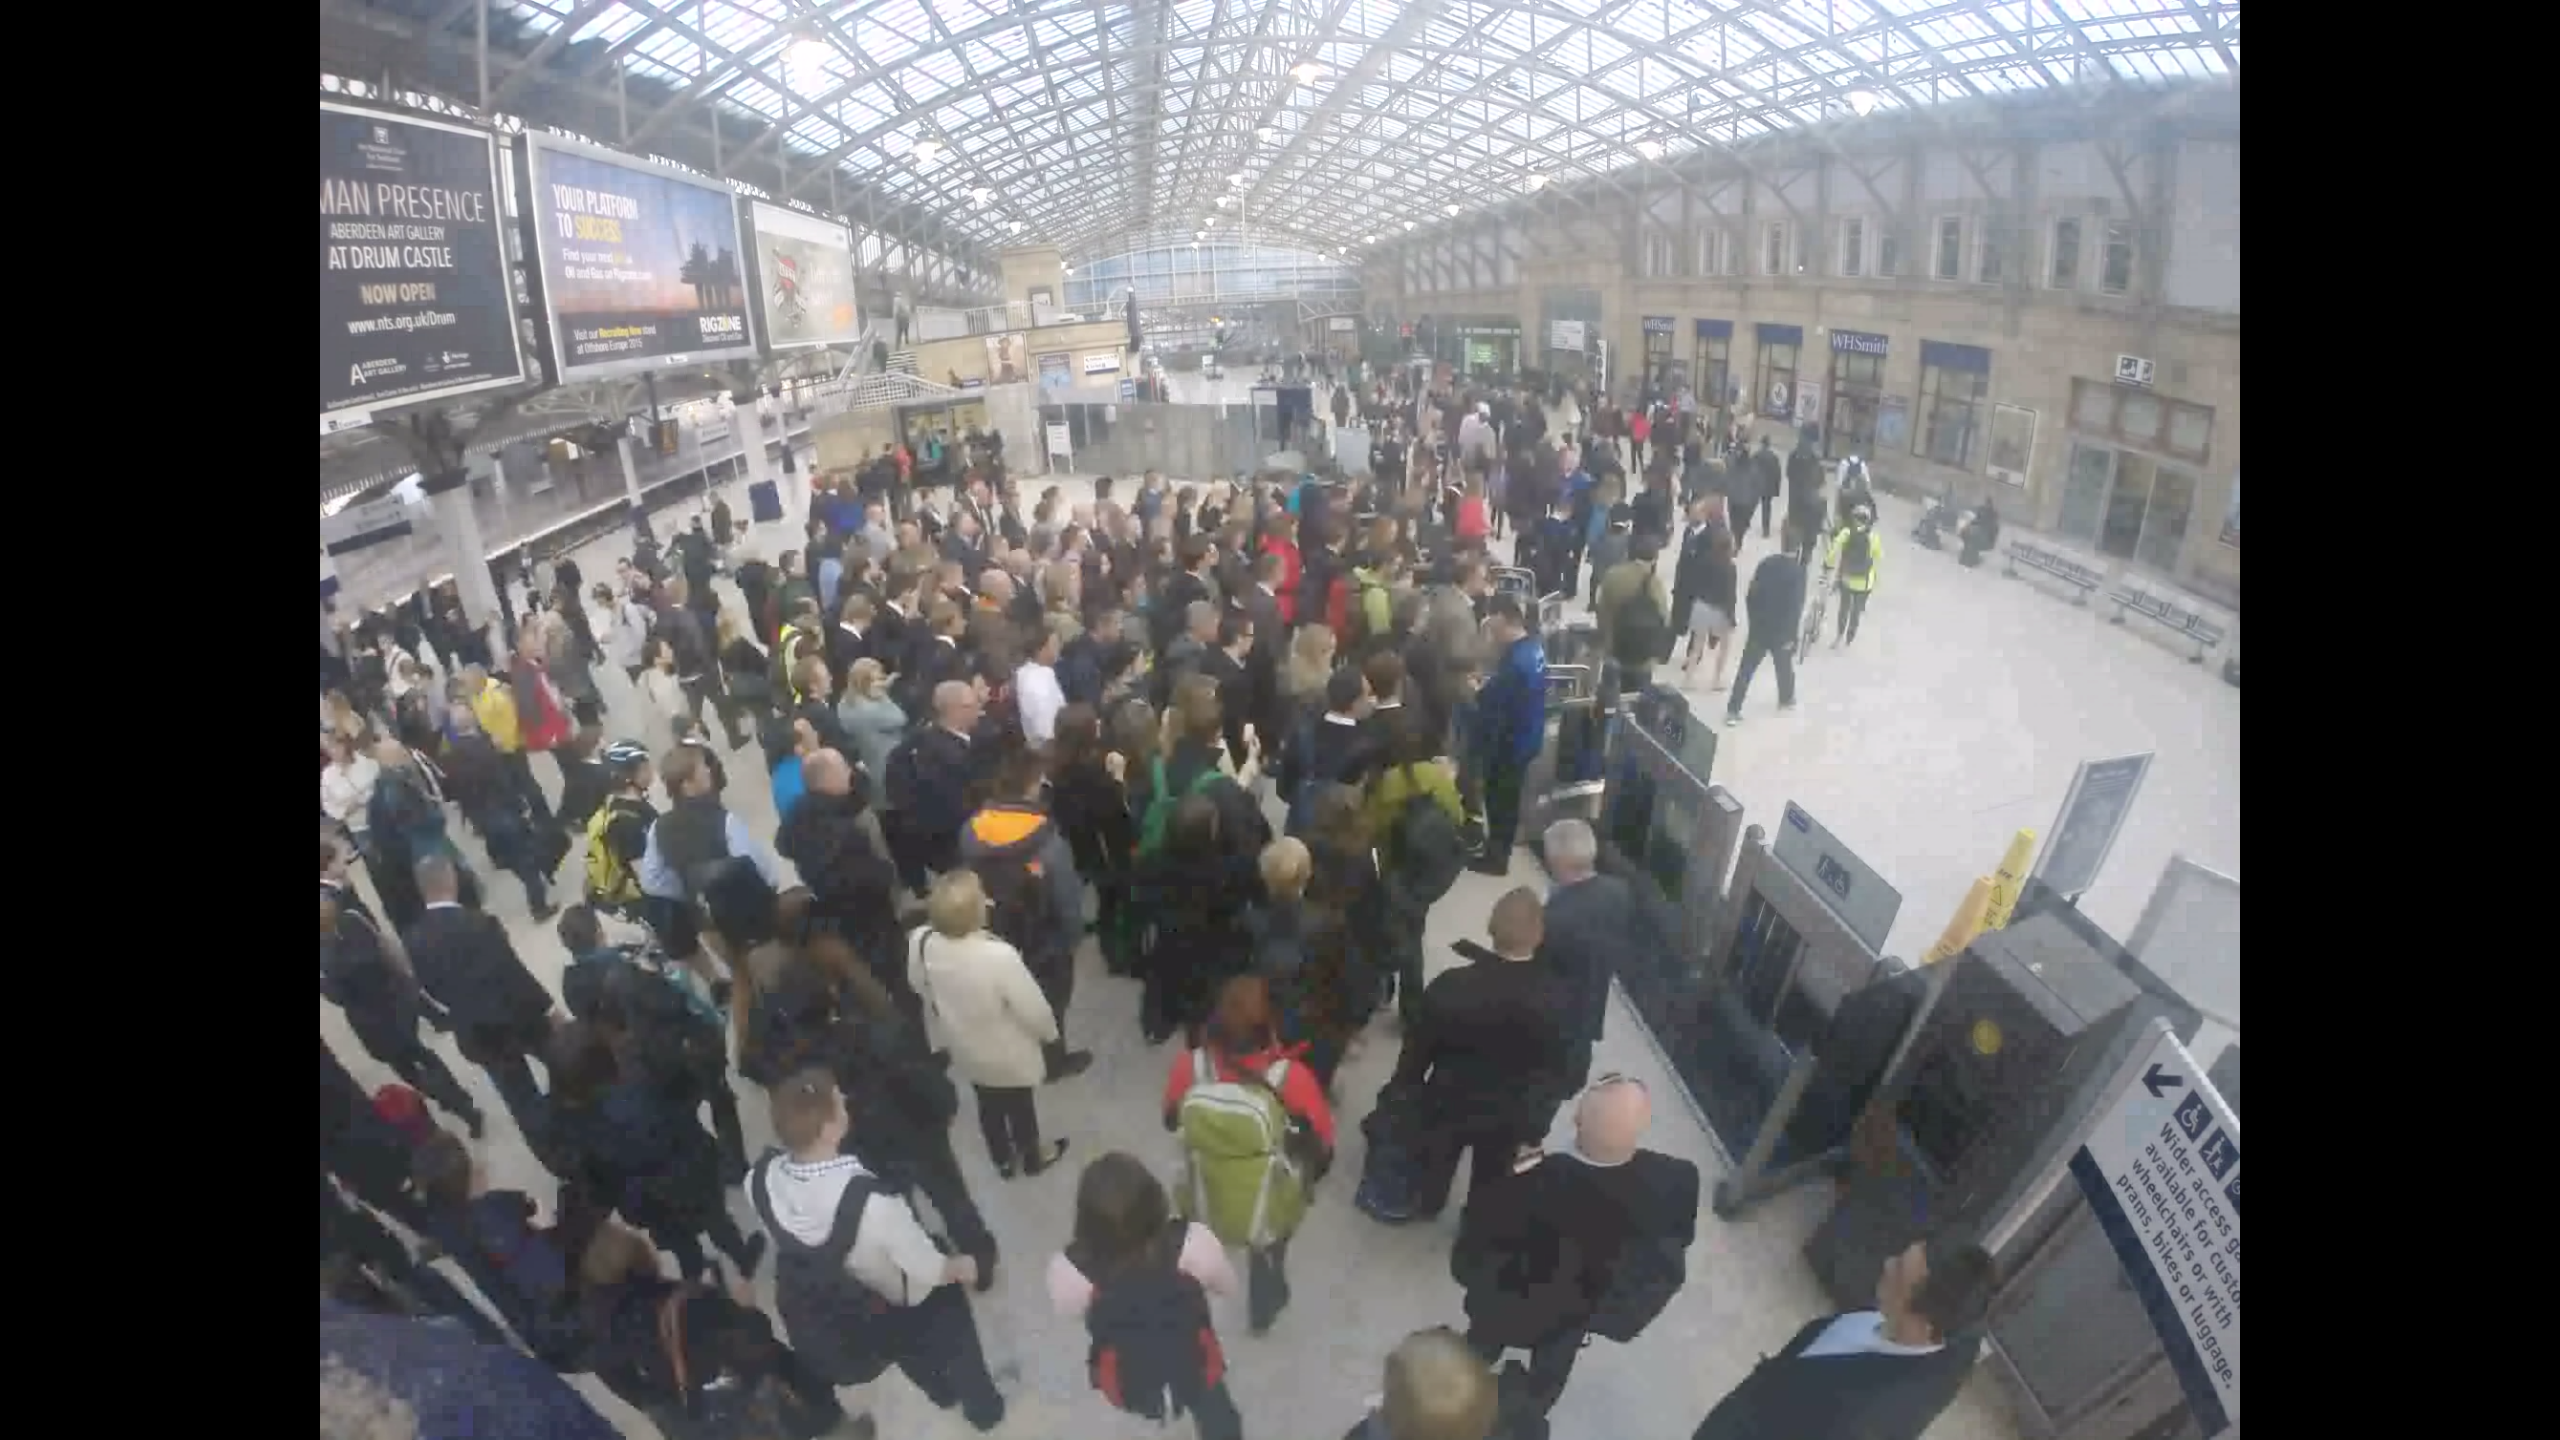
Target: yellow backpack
<point>610,881</point>
<point>495,708</point>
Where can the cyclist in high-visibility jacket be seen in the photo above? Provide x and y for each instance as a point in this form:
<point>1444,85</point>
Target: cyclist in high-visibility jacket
<point>1854,555</point>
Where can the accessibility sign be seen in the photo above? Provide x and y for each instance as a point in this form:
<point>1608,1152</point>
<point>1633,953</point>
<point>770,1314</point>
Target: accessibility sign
<point>2161,1169</point>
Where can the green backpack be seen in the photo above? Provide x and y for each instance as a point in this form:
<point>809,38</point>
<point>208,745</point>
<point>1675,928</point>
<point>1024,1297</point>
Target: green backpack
<point>1239,1178</point>
<point>1161,802</point>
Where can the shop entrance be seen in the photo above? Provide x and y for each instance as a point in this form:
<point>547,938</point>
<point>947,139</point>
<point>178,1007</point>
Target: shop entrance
<point>2128,505</point>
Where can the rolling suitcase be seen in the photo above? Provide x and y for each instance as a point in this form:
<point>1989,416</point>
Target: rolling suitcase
<point>764,501</point>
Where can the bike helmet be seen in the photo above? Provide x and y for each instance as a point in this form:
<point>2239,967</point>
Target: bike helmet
<point>1861,514</point>
<point>626,755</point>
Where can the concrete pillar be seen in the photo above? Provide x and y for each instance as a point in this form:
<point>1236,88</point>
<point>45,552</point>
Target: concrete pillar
<point>468,553</point>
<point>630,469</point>
<point>328,593</point>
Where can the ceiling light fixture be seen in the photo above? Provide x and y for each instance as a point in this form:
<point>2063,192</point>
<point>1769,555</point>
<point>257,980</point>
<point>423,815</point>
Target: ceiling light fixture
<point>809,50</point>
<point>1265,132</point>
<point>1862,101</point>
<point>1237,178</point>
<point>1017,227</point>
<point>1649,149</point>
<point>1453,210</point>
<point>1537,182</point>
<point>1408,224</point>
<point>1306,72</point>
<point>1372,240</point>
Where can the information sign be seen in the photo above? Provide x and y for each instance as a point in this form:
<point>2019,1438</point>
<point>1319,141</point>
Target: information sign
<point>2161,1170</point>
<point>2092,815</point>
<point>1848,885</point>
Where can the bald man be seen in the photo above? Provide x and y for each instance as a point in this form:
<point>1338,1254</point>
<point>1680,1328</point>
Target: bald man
<point>1590,1242</point>
<point>927,787</point>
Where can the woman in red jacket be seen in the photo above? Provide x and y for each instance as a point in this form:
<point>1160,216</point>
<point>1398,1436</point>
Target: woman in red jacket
<point>1280,537</point>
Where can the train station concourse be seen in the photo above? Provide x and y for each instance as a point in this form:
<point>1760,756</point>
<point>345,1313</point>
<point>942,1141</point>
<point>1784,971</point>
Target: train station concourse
<point>1753,488</point>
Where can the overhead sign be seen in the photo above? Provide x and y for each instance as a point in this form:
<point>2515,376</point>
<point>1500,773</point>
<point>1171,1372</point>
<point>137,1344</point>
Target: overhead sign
<point>2161,1169</point>
<point>639,263</point>
<point>2133,370</point>
<point>360,527</point>
<point>1565,335</point>
<point>2093,813</point>
<point>414,291</point>
<point>1848,885</point>
<point>1860,342</point>
<point>1342,322</point>
<point>804,278</point>
<point>1659,324</point>
<point>1104,362</point>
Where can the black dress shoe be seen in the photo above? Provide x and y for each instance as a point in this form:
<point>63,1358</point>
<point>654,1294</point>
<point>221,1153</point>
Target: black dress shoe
<point>1056,1149</point>
<point>1071,1064</point>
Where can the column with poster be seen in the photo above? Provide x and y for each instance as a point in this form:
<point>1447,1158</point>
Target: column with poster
<point>2013,444</point>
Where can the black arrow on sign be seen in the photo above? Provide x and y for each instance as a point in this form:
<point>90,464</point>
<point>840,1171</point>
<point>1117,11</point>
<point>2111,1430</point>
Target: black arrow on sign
<point>2156,1080</point>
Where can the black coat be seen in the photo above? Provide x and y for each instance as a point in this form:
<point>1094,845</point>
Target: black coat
<point>1840,1397</point>
<point>1587,923</point>
<point>1567,1242</point>
<point>1487,1051</point>
<point>466,964</point>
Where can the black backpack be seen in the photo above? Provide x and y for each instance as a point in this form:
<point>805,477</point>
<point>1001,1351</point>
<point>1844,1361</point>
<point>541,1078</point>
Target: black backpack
<point>1018,906</point>
<point>1857,552</point>
<point>838,1325</point>
<point>1642,633</point>
<point>1427,851</point>
<point>1154,1352</point>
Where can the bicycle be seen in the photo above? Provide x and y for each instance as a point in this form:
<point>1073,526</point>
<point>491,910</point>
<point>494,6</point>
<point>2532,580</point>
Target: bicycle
<point>1814,608</point>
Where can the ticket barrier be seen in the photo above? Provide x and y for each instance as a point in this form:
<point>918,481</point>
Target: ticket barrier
<point>1795,1020</point>
<point>2016,1040</point>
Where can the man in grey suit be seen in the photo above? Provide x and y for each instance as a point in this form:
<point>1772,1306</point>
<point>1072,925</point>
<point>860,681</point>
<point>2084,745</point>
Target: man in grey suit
<point>1588,916</point>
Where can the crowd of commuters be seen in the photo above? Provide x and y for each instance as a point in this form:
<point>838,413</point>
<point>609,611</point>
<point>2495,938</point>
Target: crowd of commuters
<point>1242,735</point>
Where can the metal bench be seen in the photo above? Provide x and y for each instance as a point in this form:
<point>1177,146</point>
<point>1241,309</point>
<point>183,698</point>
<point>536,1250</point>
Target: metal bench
<point>2189,625</point>
<point>2079,577</point>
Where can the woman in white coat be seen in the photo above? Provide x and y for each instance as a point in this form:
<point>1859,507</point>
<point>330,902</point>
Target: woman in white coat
<point>983,1006</point>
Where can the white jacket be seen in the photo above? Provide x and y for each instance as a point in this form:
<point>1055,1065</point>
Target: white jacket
<point>981,1003</point>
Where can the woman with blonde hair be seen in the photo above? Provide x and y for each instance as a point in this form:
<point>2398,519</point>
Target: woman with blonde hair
<point>1310,665</point>
<point>871,720</point>
<point>983,1005</point>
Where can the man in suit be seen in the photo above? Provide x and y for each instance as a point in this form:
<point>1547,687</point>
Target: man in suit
<point>1485,1057</point>
<point>1589,917</point>
<point>1260,603</point>
<point>1591,1242</point>
<point>1226,663</point>
<point>502,1017</point>
<point>1881,1374</point>
<point>928,791</point>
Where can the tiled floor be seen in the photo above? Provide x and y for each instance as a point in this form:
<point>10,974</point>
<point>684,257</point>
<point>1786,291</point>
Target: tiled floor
<point>1956,718</point>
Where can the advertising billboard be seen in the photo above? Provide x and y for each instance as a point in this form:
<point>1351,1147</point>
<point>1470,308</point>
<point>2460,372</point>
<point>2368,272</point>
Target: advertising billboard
<point>804,279</point>
<point>414,302</point>
<point>639,264</point>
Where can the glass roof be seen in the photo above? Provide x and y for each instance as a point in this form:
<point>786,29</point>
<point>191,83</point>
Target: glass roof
<point>1084,123</point>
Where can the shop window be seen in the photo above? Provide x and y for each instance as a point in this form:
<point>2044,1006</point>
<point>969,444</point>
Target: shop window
<point>1775,396</point>
<point>2143,419</point>
<point>1714,368</point>
<point>2064,271</point>
<point>1773,250</point>
<point>1952,406</point>
<point>2115,262</point>
<point>1853,246</point>
<point>1857,385</point>
<point>1888,253</point>
<point>1948,262</point>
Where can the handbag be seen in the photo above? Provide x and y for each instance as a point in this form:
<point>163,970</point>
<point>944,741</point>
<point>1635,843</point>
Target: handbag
<point>729,1407</point>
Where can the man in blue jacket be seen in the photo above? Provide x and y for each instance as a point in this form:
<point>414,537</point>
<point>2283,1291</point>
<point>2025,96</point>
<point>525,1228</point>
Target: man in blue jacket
<point>1511,726</point>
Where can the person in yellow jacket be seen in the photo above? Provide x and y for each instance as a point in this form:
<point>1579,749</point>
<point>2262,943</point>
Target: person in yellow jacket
<point>1854,555</point>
